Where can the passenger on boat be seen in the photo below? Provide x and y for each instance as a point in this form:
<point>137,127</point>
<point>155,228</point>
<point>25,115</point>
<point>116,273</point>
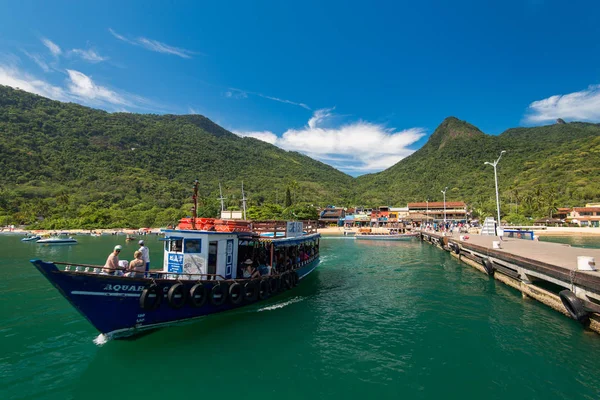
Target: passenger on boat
<point>250,271</point>
<point>112,262</point>
<point>263,268</point>
<point>137,266</point>
<point>145,254</point>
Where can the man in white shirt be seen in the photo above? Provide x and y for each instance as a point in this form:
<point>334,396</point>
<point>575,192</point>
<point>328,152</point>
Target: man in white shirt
<point>145,254</point>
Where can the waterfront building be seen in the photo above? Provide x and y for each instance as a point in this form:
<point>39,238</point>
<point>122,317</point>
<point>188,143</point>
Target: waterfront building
<point>332,216</point>
<point>456,211</point>
<point>585,216</point>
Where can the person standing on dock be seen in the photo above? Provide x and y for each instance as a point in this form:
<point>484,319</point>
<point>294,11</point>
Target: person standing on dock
<point>145,254</point>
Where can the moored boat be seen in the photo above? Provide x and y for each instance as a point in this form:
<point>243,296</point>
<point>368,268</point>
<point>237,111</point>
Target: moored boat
<point>57,240</point>
<point>201,274</point>
<point>31,238</point>
<point>389,235</point>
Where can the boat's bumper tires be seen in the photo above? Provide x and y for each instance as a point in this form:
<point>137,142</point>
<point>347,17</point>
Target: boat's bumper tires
<point>176,296</point>
<point>286,279</point>
<point>273,285</point>
<point>488,266</point>
<point>198,295</point>
<point>236,294</point>
<point>250,291</point>
<point>218,294</point>
<point>263,289</point>
<point>574,306</point>
<point>150,298</point>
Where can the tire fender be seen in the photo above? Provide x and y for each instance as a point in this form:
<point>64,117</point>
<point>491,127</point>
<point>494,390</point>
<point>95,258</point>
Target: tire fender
<point>574,306</point>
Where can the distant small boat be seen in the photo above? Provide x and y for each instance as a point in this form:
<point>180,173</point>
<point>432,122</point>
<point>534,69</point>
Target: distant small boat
<point>57,240</point>
<point>130,238</point>
<point>31,239</point>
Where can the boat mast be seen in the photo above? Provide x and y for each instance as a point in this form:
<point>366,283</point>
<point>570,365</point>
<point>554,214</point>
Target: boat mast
<point>221,198</point>
<point>195,207</point>
<point>243,200</point>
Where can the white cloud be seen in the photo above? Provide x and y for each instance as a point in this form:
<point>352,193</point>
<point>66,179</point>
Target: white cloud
<point>89,55</point>
<point>579,106</point>
<point>82,86</point>
<point>53,47</point>
<point>78,88</point>
<point>357,147</point>
<point>11,76</point>
<point>234,93</point>
<point>154,45</point>
<point>284,101</point>
<point>265,136</point>
<point>39,60</point>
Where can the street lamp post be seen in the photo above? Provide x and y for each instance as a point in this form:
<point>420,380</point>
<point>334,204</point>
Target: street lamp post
<point>494,164</point>
<point>444,191</point>
<point>427,214</point>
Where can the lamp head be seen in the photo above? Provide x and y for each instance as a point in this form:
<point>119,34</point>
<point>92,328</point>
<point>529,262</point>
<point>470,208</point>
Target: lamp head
<point>488,163</point>
<point>502,152</point>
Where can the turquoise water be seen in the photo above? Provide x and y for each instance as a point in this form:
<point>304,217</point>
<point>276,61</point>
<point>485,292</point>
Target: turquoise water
<point>376,320</point>
<point>592,242</point>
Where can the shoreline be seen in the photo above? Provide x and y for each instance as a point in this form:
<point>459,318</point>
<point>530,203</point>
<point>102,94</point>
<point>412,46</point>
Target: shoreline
<point>550,231</point>
<point>330,231</point>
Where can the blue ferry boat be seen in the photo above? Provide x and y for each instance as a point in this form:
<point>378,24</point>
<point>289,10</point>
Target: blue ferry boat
<point>203,273</point>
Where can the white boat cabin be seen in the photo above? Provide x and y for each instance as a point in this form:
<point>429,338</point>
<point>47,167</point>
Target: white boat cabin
<point>201,254</point>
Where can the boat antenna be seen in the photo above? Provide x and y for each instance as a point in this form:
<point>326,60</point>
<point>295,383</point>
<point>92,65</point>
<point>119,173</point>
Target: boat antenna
<point>221,198</point>
<point>243,200</point>
<point>195,207</point>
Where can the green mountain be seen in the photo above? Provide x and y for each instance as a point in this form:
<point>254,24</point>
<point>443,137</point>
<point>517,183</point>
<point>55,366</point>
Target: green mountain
<point>544,168</point>
<point>75,166</point>
<point>64,165</point>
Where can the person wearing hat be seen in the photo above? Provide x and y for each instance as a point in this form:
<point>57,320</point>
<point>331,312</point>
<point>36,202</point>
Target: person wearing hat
<point>250,271</point>
<point>145,254</point>
<point>112,262</point>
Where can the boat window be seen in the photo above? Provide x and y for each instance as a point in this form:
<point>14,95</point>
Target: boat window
<point>193,245</point>
<point>173,245</point>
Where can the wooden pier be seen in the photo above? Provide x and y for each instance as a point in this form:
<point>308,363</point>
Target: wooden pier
<point>544,271</point>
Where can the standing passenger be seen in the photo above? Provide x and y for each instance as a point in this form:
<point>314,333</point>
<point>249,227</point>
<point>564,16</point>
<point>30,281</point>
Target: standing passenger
<point>145,254</point>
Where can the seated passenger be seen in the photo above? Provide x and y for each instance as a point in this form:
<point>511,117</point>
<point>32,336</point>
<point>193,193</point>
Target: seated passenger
<point>112,262</point>
<point>250,272</point>
<point>137,266</point>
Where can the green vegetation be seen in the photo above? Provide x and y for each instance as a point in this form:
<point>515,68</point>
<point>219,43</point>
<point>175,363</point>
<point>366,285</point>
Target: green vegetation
<point>544,168</point>
<point>69,166</point>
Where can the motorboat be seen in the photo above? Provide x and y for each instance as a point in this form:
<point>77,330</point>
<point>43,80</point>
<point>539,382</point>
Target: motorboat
<point>57,240</point>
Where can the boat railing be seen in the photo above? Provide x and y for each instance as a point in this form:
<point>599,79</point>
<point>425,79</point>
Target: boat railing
<point>100,270</point>
<point>279,228</point>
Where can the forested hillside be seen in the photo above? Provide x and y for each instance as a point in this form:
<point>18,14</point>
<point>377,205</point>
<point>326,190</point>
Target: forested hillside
<point>65,165</point>
<point>544,168</point>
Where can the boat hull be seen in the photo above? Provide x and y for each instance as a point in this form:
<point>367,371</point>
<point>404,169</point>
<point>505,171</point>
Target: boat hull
<point>57,241</point>
<point>112,303</point>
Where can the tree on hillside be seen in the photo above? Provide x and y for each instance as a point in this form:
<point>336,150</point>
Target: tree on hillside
<point>288,197</point>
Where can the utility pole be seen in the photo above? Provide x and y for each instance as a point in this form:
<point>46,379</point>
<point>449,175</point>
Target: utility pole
<point>243,200</point>
<point>221,198</point>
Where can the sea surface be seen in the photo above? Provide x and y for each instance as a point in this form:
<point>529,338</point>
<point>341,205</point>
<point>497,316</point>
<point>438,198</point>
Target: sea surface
<point>375,321</point>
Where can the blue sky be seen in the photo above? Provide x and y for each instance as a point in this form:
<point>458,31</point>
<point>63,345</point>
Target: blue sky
<point>356,85</point>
